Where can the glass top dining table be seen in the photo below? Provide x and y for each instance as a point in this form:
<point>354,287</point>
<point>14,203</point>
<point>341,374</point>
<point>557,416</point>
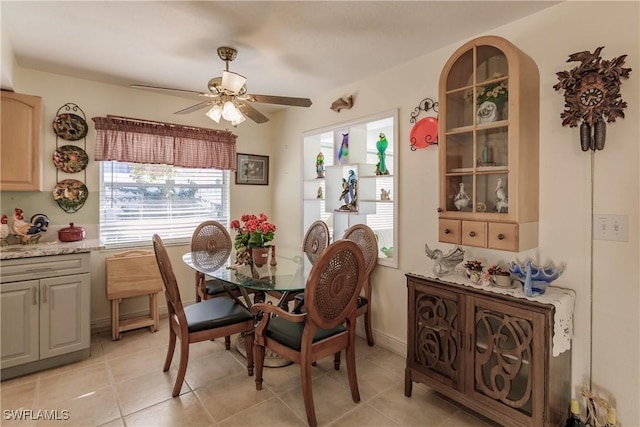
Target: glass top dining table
<point>288,275</point>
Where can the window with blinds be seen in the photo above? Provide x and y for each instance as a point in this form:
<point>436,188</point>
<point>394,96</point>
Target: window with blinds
<point>139,200</point>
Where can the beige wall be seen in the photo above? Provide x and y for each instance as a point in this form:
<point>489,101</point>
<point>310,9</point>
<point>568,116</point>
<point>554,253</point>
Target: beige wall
<point>565,190</point>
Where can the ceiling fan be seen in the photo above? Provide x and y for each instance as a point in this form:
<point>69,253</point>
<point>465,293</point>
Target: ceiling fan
<point>228,97</point>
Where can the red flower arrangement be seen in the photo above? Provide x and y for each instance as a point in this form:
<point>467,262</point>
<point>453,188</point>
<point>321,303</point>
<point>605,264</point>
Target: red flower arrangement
<point>254,233</point>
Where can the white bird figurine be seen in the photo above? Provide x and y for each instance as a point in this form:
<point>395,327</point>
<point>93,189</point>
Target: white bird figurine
<point>461,200</point>
<point>444,264</point>
<point>502,201</point>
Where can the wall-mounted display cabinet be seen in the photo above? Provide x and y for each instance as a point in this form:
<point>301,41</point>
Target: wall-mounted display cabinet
<point>488,126</point>
<point>376,194</point>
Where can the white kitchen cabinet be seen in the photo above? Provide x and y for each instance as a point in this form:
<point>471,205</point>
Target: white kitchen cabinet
<point>45,312</point>
<point>321,195</point>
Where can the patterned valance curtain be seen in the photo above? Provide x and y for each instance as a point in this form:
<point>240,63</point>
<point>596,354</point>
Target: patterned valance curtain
<point>143,141</point>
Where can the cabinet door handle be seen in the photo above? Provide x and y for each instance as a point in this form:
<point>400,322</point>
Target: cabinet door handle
<point>500,236</point>
<point>34,296</point>
<point>460,340</point>
<point>469,342</point>
<point>472,234</point>
<point>43,296</point>
<point>447,231</point>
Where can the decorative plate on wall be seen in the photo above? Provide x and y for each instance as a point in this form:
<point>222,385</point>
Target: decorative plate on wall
<point>70,194</point>
<point>70,159</point>
<point>70,126</point>
<point>424,133</point>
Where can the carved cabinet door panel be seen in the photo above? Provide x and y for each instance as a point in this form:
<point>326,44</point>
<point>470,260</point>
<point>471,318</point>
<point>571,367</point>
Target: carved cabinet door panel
<point>438,330</point>
<point>506,362</point>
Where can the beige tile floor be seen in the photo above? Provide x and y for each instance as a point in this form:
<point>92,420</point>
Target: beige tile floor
<point>122,384</point>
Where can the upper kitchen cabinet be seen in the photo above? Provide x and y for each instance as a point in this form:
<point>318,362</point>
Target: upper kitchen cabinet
<point>489,111</point>
<point>20,147</point>
<point>344,183</point>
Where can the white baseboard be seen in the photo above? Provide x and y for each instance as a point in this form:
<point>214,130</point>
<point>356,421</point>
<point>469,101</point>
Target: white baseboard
<point>383,340</point>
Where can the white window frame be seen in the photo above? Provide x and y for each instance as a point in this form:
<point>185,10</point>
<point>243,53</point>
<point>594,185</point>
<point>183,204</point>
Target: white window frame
<point>132,210</point>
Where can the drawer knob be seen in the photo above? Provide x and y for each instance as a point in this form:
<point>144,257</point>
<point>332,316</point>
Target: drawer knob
<point>447,231</point>
<point>500,236</point>
<point>439,209</point>
<point>472,234</point>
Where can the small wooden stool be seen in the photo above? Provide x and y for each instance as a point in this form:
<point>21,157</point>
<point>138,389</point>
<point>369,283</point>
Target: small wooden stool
<point>131,274</point>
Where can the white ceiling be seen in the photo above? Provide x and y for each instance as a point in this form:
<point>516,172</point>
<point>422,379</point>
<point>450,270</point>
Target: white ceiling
<point>299,48</point>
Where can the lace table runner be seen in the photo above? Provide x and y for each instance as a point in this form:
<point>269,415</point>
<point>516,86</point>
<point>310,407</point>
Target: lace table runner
<point>561,298</point>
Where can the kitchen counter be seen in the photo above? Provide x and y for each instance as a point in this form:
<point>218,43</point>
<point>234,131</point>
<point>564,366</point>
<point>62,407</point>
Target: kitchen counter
<point>49,249</point>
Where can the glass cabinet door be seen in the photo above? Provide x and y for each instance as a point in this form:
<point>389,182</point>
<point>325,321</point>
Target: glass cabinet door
<point>477,132</point>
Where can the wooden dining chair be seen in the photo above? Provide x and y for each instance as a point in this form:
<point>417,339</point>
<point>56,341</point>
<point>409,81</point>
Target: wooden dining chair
<point>212,240</point>
<point>328,325</point>
<point>202,321</point>
<point>316,240</point>
<point>366,239</point>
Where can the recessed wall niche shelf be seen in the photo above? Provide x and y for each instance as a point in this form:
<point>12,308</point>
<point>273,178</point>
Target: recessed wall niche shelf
<point>488,135</point>
<point>321,196</point>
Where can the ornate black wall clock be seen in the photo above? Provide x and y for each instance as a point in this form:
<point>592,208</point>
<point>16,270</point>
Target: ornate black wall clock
<point>592,93</point>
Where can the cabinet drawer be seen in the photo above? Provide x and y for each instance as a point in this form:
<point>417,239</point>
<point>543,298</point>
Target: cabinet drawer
<point>48,266</point>
<point>503,236</point>
<point>449,231</point>
<point>474,233</point>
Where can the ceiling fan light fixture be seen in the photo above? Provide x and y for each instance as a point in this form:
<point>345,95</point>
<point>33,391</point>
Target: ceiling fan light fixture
<point>232,82</point>
<point>238,120</point>
<point>215,113</point>
<point>230,112</point>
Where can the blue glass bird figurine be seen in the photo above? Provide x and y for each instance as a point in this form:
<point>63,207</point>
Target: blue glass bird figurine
<point>343,152</point>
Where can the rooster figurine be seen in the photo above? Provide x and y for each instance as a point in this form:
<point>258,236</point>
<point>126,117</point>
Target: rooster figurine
<point>28,232</point>
<point>4,230</point>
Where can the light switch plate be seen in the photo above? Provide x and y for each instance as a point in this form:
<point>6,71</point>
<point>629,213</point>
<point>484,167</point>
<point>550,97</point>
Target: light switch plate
<point>611,227</point>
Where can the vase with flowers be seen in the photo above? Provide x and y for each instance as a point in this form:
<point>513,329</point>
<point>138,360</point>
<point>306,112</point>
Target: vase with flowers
<point>474,270</point>
<point>492,100</point>
<point>253,234</point>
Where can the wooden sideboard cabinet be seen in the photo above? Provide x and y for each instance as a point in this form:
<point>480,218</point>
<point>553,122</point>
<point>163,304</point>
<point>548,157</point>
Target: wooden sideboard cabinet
<point>20,143</point>
<point>490,352</point>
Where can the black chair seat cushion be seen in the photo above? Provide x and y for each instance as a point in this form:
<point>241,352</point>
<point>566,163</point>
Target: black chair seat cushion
<point>215,313</point>
<point>214,287</point>
<point>362,301</point>
<point>290,333</point>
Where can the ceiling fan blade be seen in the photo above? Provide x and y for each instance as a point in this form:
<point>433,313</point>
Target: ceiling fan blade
<point>159,88</point>
<point>251,112</point>
<point>281,100</point>
<point>193,108</point>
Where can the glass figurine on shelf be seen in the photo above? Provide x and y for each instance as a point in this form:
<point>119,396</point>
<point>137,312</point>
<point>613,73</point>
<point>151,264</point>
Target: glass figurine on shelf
<point>385,194</point>
<point>461,199</point>
<point>320,165</point>
<point>343,152</point>
<point>502,202</point>
<point>349,193</point>
<point>381,146</point>
<point>444,264</point>
<point>319,194</point>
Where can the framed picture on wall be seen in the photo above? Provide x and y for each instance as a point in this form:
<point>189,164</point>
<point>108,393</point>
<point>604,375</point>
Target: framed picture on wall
<point>252,169</point>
